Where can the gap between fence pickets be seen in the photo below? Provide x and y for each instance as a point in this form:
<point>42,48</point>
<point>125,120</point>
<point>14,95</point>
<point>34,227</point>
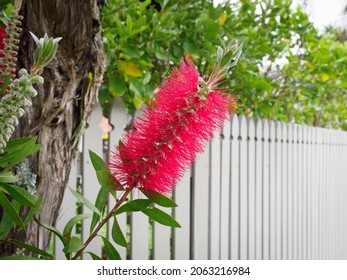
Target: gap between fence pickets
<point>262,190</point>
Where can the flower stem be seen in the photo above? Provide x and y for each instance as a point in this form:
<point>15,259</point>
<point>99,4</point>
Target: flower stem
<point>101,224</point>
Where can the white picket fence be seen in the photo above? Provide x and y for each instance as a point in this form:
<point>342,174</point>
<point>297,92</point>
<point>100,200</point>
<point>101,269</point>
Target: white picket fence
<point>261,190</point>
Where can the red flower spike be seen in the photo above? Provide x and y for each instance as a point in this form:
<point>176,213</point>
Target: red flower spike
<point>179,123</point>
<point>2,37</point>
<point>8,52</point>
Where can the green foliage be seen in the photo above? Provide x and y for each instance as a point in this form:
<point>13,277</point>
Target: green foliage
<point>287,71</point>
<point>13,198</point>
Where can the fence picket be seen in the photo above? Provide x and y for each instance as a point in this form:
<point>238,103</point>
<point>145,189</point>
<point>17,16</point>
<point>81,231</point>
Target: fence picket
<point>259,190</point>
<point>118,119</point>
<point>215,193</point>
<point>310,187</point>
<point>290,191</point>
<point>67,211</point>
<point>162,238</point>
<point>201,206</point>
<point>278,193</point>
<point>182,236</point>
<point>295,192</point>
<point>243,189</point>
<point>92,140</point>
<point>235,191</point>
<point>304,192</point>
<point>251,190</point>
<point>300,193</point>
<point>272,187</point>
<point>284,220</point>
<point>266,191</point>
<point>225,194</point>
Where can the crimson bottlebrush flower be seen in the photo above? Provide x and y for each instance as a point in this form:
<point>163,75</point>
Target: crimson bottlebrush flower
<point>182,118</point>
<point>2,37</point>
<point>2,43</point>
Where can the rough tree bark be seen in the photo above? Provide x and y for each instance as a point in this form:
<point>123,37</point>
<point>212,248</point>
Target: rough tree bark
<point>66,99</point>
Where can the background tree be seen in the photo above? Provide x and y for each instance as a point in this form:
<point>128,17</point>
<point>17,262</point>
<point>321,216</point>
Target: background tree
<point>61,110</point>
<point>284,72</point>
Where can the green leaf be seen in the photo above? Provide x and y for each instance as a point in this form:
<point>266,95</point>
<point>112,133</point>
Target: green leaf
<point>161,217</point>
<point>100,203</point>
<point>6,224</point>
<point>94,257</point>
<point>18,153</point>
<point>33,210</point>
<point>86,202</point>
<point>75,244</point>
<point>18,143</point>
<point>8,207</point>
<point>20,257</point>
<point>19,194</point>
<point>134,205</point>
<point>52,230</point>
<point>136,86</point>
<point>48,47</point>
<point>159,198</point>
<point>31,248</point>
<point>8,177</point>
<point>106,180</point>
<point>70,224</point>
<point>137,102</point>
<point>117,234</point>
<point>97,162</point>
<point>116,85</point>
<point>111,252</point>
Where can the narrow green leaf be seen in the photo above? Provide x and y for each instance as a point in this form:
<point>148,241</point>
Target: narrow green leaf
<point>86,202</point>
<point>8,177</point>
<point>35,149</point>
<point>117,234</point>
<point>51,229</point>
<point>31,248</point>
<point>161,217</point>
<point>11,159</point>
<point>94,257</point>
<point>134,205</point>
<point>111,251</point>
<point>226,58</point>
<point>6,224</point>
<point>33,210</point>
<point>97,161</point>
<point>100,203</point>
<point>18,143</point>
<point>8,207</point>
<point>47,48</point>
<point>75,244</point>
<point>20,257</point>
<point>17,153</point>
<point>159,198</point>
<point>70,224</point>
<point>19,194</point>
<point>106,180</point>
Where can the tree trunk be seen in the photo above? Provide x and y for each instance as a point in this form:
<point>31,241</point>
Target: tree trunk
<point>66,99</point>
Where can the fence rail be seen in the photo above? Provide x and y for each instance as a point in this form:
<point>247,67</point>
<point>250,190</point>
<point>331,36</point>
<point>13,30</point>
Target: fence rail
<point>261,190</point>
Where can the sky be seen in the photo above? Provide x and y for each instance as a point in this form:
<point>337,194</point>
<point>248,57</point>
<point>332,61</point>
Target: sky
<point>326,12</point>
<point>323,12</point>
